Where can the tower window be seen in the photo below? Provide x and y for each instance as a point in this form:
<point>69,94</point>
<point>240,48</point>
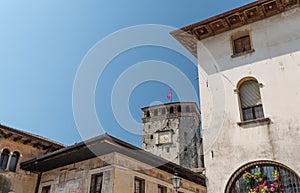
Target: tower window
<point>187,109</point>
<point>171,109</point>
<point>155,112</point>
<point>250,100</point>
<point>163,111</point>
<point>179,109</point>
<point>148,114</point>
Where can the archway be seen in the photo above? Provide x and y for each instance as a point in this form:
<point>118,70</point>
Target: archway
<point>264,175</point>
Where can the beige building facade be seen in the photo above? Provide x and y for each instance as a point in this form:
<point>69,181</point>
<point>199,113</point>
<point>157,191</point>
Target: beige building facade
<point>108,165</point>
<point>249,74</point>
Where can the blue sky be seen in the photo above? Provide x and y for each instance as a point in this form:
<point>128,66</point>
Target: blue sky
<point>43,44</point>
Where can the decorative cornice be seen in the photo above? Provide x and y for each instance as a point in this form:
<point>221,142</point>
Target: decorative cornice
<point>235,18</point>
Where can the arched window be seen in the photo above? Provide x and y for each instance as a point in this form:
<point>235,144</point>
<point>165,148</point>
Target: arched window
<point>171,109</point>
<point>14,161</point>
<point>265,176</point>
<point>4,159</point>
<point>179,109</point>
<point>250,100</point>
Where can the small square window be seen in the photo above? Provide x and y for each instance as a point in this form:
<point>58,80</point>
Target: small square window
<point>241,44</point>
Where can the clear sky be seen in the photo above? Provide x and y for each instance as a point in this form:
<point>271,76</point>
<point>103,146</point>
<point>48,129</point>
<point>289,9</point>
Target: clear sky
<point>43,45</point>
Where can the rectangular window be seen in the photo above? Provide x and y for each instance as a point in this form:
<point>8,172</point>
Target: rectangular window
<point>46,189</point>
<point>162,189</point>
<point>242,44</point>
<point>139,185</point>
<point>251,113</point>
<point>96,183</point>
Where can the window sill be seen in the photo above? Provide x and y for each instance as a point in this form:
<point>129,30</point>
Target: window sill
<point>260,121</point>
<point>242,53</point>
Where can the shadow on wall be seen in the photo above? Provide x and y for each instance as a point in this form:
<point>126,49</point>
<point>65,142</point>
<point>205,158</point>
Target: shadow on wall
<point>5,184</point>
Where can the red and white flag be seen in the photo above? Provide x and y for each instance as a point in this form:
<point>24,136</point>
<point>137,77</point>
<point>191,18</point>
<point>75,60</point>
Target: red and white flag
<point>169,96</point>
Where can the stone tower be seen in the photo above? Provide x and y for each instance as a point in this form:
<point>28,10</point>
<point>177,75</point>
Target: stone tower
<point>172,131</point>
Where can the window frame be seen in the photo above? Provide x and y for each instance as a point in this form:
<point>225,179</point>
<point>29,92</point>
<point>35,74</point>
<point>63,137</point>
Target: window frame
<point>161,189</point>
<point>45,185</point>
<point>15,155</point>
<point>252,108</point>
<point>240,36</point>
<point>141,182</point>
<point>93,182</point>
<point>46,188</point>
<point>7,156</point>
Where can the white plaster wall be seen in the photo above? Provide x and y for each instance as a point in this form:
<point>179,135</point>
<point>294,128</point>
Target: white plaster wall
<point>276,64</point>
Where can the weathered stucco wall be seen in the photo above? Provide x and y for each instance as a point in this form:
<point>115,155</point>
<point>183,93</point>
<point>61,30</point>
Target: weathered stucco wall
<point>276,64</point>
<point>18,182</point>
<point>118,171</point>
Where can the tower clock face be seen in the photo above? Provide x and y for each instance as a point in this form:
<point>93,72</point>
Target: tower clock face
<point>164,137</point>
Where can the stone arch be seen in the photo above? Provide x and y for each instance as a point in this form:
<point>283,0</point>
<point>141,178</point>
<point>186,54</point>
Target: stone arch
<point>288,180</point>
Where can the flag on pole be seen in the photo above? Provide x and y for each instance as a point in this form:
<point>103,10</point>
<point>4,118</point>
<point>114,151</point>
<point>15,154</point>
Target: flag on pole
<point>169,96</point>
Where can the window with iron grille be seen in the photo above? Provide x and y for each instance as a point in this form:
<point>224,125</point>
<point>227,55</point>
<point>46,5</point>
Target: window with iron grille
<point>250,100</point>
<point>162,189</point>
<point>268,175</point>
<point>241,44</point>
<point>139,185</point>
<point>96,183</point>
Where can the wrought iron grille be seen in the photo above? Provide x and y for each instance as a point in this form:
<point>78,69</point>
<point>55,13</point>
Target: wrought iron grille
<point>286,182</point>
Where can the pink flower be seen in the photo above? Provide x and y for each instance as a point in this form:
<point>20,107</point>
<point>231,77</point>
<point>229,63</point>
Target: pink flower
<point>266,187</point>
<point>272,189</point>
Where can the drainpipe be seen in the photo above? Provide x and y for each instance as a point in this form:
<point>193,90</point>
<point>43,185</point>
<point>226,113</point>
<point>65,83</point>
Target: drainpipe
<point>37,186</point>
